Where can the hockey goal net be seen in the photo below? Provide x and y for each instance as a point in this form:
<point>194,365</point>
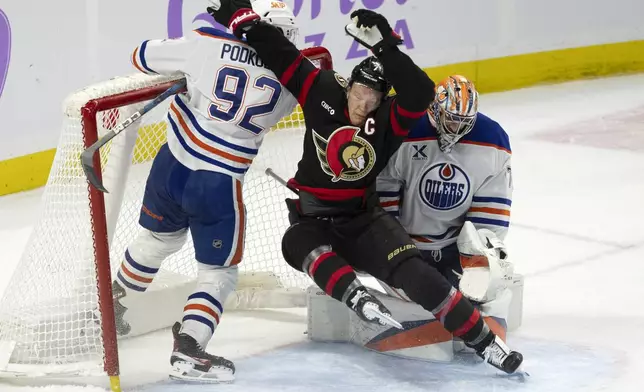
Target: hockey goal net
<point>56,315</point>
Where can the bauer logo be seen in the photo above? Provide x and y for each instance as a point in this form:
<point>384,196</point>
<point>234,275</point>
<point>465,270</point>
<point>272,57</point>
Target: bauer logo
<point>444,186</point>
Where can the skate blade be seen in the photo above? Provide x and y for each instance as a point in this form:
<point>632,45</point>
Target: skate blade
<point>388,320</point>
<point>185,371</point>
<point>519,375</point>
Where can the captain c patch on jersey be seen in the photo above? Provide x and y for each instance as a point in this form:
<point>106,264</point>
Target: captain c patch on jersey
<point>444,186</point>
<point>345,155</point>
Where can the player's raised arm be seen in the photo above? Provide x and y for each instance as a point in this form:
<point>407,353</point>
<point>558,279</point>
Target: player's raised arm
<point>272,42</point>
<point>414,89</point>
<point>163,56</point>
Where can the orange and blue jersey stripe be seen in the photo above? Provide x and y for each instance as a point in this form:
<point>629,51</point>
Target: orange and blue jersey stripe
<point>138,59</point>
<point>203,308</point>
<point>390,201</point>
<point>237,246</point>
<point>205,146</point>
<point>494,211</point>
<point>212,32</point>
<point>135,276</point>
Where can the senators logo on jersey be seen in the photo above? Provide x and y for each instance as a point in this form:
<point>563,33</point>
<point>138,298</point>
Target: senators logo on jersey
<point>345,155</point>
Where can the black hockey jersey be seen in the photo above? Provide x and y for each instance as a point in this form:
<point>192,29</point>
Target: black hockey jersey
<point>340,163</point>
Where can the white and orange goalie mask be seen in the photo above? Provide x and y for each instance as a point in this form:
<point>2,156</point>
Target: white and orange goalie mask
<point>454,110</point>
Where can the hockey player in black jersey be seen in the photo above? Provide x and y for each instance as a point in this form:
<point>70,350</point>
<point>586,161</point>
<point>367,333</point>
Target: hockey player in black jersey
<point>352,129</point>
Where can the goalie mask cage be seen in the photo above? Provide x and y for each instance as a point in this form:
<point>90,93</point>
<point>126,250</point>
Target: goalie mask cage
<point>56,314</point>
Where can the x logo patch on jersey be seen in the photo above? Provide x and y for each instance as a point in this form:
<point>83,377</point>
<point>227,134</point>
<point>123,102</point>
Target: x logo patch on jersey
<point>420,151</point>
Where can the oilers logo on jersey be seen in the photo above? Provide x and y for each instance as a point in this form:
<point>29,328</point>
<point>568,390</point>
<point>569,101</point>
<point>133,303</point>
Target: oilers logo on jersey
<point>444,186</point>
<point>345,155</point>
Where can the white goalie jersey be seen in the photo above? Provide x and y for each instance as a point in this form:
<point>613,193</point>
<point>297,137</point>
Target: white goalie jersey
<point>232,99</point>
<point>433,193</point>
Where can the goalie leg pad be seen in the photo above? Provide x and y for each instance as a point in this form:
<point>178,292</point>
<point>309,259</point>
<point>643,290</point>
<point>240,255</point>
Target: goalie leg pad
<point>144,256</point>
<point>423,338</point>
<point>203,311</point>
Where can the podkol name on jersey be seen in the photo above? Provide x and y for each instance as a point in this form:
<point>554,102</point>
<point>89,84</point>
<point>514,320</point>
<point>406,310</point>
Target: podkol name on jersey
<point>241,54</point>
<point>444,186</point>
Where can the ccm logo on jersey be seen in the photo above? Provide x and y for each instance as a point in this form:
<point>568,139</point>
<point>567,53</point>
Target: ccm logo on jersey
<point>328,108</point>
<point>444,186</point>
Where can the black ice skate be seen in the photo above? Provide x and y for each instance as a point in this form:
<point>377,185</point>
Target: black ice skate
<point>499,355</point>
<point>370,309</point>
<point>191,362</point>
<point>122,326</point>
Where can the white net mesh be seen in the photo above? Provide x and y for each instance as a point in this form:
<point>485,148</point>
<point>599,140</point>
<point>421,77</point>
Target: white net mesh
<point>48,314</point>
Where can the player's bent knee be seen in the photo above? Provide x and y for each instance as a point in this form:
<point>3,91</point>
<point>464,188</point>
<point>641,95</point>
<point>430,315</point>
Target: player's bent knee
<point>289,244</point>
<point>210,274</point>
<point>156,246</point>
<point>217,281</point>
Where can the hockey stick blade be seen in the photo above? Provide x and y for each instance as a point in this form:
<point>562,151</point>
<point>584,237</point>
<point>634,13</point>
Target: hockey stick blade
<point>269,172</point>
<point>87,162</point>
<point>87,156</point>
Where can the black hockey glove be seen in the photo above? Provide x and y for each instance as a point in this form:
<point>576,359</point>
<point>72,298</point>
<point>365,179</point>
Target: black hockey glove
<point>378,39</point>
<point>237,15</point>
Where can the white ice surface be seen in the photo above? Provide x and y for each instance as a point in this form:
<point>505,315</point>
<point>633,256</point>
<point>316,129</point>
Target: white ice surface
<point>577,234</point>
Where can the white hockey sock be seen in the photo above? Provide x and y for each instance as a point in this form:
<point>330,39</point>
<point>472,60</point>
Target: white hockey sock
<point>144,256</point>
<point>204,308</point>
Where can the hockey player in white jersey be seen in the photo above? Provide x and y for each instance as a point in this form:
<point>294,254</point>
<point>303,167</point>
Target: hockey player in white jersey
<point>214,132</point>
<point>450,184</point>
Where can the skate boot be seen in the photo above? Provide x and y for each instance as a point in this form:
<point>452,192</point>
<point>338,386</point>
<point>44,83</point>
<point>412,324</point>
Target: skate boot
<point>122,326</point>
<point>369,308</point>
<point>191,362</point>
<point>499,355</point>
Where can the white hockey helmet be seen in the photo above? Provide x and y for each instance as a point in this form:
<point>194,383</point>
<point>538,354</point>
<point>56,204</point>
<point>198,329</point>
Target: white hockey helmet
<point>274,12</point>
<point>278,14</point>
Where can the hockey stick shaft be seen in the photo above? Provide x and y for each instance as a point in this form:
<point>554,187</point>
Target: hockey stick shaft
<point>87,156</point>
<point>279,179</point>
